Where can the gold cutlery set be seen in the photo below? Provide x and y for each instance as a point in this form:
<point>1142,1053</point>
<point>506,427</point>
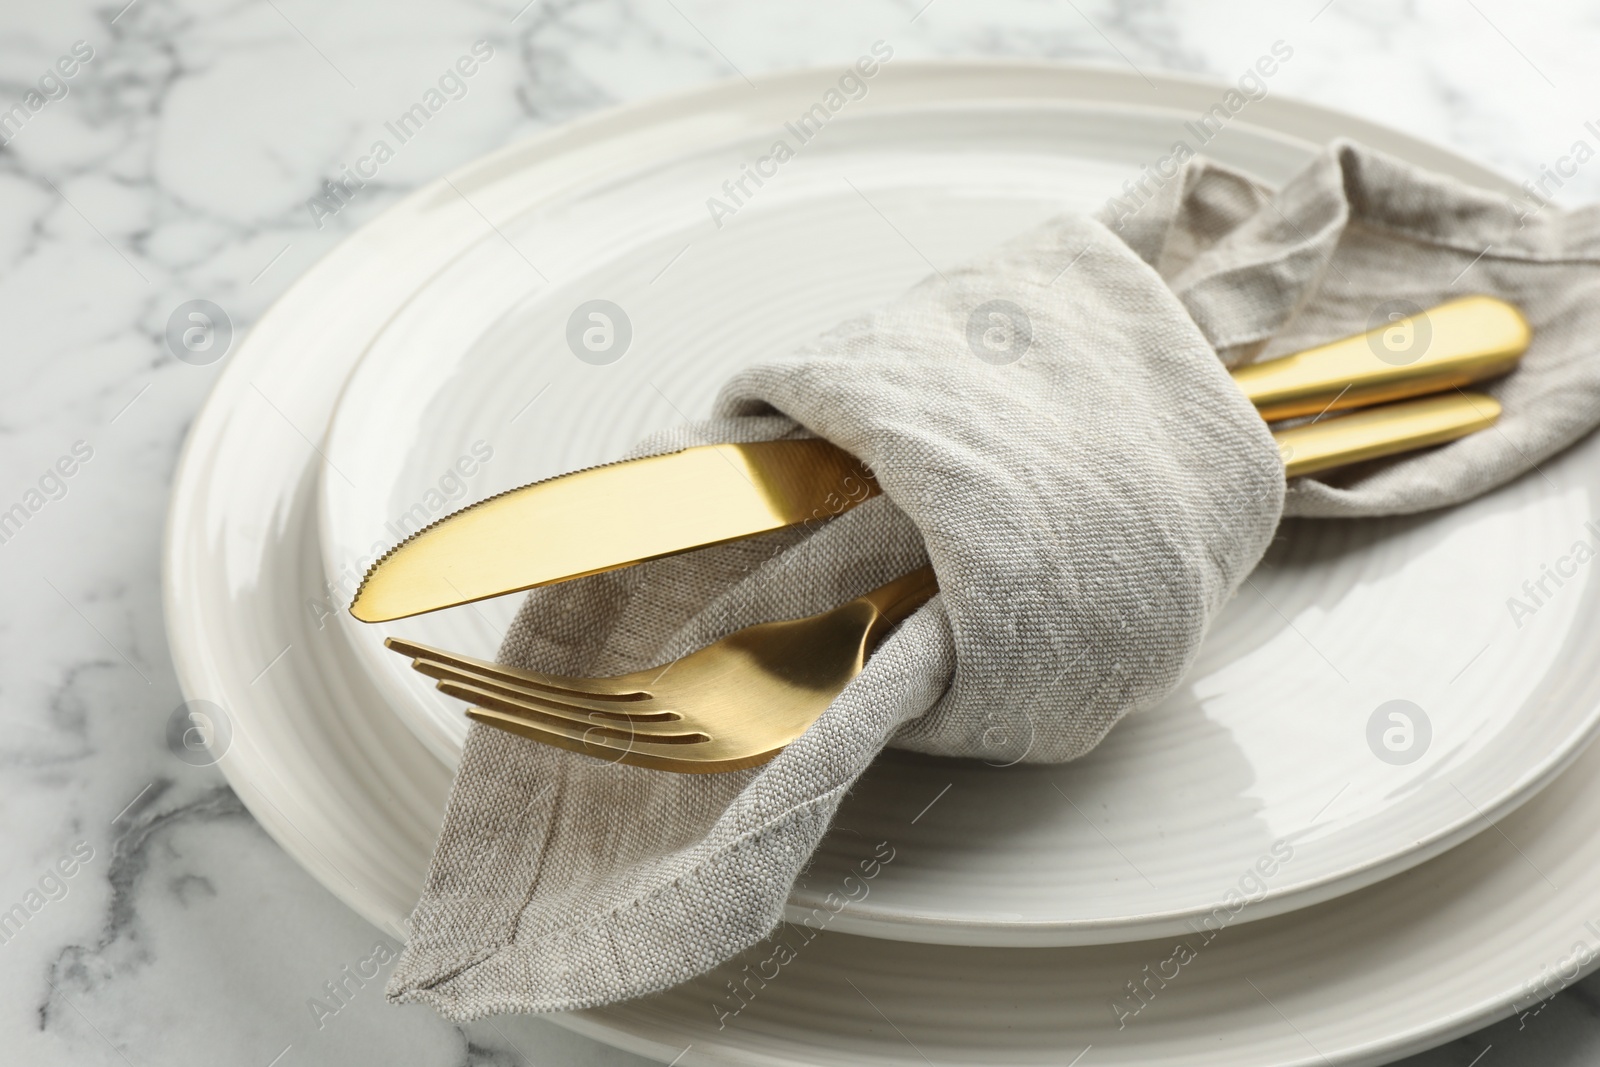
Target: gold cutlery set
<point>1356,399</point>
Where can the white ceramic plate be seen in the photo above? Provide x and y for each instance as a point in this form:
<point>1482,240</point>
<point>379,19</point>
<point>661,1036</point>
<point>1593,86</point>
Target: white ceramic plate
<point>318,758</point>
<point>1148,834</point>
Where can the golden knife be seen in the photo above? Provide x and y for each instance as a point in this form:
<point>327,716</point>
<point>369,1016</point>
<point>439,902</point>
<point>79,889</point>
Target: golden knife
<point>620,514</point>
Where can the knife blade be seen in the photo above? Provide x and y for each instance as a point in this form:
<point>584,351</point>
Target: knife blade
<point>609,517</point>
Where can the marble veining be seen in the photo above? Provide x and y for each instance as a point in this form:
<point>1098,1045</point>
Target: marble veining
<point>177,163</point>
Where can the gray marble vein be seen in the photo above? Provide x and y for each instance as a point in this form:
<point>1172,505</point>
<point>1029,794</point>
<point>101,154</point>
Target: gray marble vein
<point>176,163</point>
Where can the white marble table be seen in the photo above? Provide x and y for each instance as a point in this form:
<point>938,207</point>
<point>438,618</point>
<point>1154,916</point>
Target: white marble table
<point>176,163</point>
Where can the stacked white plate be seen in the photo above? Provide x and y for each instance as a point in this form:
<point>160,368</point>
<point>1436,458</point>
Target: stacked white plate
<point>1285,862</point>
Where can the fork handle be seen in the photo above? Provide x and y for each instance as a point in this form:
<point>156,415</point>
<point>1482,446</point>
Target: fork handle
<point>1455,344</point>
<point>897,600</point>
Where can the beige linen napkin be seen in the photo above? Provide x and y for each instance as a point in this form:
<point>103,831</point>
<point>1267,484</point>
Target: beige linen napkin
<point>1054,431</point>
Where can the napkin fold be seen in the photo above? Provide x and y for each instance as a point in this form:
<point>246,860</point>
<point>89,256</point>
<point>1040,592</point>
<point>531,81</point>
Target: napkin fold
<point>1055,432</point>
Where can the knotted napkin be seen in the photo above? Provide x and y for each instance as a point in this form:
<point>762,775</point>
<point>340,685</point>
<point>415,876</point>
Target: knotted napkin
<point>1055,432</point>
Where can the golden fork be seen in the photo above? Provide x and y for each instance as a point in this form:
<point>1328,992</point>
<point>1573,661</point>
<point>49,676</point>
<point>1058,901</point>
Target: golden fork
<point>736,703</point>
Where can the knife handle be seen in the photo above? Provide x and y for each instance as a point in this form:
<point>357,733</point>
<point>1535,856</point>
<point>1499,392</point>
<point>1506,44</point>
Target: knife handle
<point>1386,430</point>
<point>1449,346</point>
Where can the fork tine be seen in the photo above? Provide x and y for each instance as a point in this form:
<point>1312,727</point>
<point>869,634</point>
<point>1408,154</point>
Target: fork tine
<point>622,711</point>
<point>635,752</point>
<point>550,717</point>
<point>732,705</point>
<point>610,689</point>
